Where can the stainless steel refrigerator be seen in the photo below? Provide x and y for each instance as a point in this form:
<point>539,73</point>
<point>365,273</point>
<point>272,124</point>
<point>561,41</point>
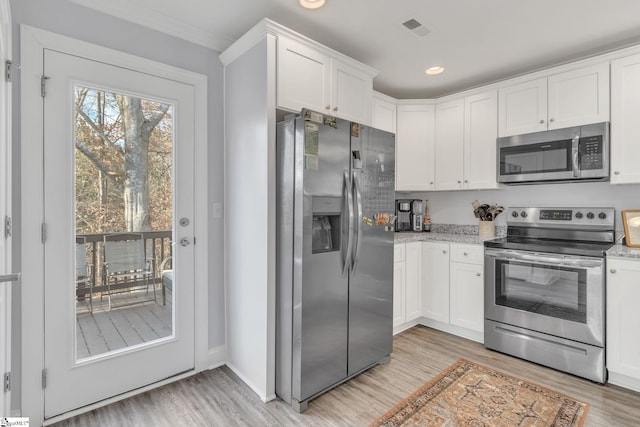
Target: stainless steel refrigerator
<point>335,206</point>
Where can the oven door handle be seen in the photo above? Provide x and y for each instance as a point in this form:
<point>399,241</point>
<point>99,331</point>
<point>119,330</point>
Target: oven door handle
<point>543,259</point>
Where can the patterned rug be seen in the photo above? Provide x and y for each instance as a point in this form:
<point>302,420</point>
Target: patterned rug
<point>468,394</point>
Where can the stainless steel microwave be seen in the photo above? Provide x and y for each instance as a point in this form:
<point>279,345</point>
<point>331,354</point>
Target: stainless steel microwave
<point>561,155</point>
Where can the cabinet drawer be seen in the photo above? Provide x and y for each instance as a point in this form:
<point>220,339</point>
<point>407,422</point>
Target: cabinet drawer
<point>470,254</point>
<point>398,252</point>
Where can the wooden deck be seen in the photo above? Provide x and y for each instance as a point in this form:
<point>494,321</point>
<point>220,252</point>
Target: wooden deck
<point>130,322</point>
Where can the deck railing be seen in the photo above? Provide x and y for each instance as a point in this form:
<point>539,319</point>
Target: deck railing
<point>158,246</point>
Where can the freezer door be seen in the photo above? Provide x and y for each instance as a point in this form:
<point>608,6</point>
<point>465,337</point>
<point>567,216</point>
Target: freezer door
<point>371,278</point>
<point>322,223</point>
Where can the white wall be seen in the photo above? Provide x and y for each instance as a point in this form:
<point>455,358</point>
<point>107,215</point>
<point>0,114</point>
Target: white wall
<point>250,244</point>
<point>85,24</point>
<point>454,207</point>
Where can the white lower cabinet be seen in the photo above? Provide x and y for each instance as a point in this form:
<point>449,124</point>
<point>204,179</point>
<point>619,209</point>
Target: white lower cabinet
<point>453,288</point>
<point>440,285</point>
<point>407,273</point>
<point>623,322</point>
<point>435,281</point>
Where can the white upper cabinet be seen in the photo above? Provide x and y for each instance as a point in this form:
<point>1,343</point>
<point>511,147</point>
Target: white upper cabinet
<point>449,145</point>
<point>415,147</point>
<point>480,133</point>
<point>465,144</point>
<point>625,113</point>
<point>303,76</point>
<point>572,98</point>
<point>384,112</point>
<point>307,77</point>
<point>523,108</point>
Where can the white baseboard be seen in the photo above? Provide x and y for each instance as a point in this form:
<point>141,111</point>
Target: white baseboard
<point>441,326</point>
<point>624,381</point>
<point>217,356</point>
<point>256,390</point>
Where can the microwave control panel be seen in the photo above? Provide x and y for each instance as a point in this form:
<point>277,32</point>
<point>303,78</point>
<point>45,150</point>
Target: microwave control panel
<point>590,152</point>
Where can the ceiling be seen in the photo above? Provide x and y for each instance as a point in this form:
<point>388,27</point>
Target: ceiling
<point>477,41</point>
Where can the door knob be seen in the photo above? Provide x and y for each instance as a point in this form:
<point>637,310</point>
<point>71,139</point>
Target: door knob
<point>185,241</point>
<point>184,222</point>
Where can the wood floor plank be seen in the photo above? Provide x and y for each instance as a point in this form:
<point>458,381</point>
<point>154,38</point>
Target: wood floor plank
<point>218,397</point>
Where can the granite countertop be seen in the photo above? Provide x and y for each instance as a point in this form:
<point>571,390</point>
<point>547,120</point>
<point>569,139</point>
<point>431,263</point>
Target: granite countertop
<point>451,233</point>
<point>621,251</point>
<point>443,237</point>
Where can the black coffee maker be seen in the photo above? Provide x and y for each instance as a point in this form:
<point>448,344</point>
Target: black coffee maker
<point>403,215</point>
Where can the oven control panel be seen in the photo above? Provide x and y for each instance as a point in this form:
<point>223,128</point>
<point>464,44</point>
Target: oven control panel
<point>580,217</point>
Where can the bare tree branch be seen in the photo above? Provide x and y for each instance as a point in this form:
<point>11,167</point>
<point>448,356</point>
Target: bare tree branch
<point>155,118</point>
<point>96,160</point>
<point>93,126</point>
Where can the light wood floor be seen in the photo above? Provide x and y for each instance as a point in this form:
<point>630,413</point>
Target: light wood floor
<point>218,398</point>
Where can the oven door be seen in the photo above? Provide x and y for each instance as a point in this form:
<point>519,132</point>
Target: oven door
<point>555,294</point>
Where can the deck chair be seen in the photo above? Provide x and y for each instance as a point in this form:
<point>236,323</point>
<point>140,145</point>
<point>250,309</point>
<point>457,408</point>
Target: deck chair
<point>125,265</point>
<point>166,275</point>
<point>83,271</point>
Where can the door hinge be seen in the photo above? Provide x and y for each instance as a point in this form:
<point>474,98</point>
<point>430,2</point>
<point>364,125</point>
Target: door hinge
<point>7,382</point>
<point>43,85</point>
<point>44,232</point>
<point>44,378</point>
<point>7,226</point>
<point>7,70</point>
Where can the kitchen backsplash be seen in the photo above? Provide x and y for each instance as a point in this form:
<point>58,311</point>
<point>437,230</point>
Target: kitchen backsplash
<point>451,208</point>
<point>471,230</point>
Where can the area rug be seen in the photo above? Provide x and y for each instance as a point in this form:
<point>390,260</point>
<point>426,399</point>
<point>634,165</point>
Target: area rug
<point>468,394</point>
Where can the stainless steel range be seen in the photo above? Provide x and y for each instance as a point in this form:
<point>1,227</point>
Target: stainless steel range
<point>545,288</point>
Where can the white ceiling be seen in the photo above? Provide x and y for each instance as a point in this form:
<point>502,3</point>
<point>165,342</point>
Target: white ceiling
<point>478,41</point>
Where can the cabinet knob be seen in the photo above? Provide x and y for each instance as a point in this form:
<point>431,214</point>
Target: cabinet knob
<point>466,181</point>
<point>616,173</point>
<point>431,183</point>
<point>459,182</point>
<point>551,120</point>
<point>612,271</point>
<point>465,253</point>
<point>444,252</point>
<point>541,122</point>
<point>335,108</point>
<point>328,107</point>
<point>478,274</point>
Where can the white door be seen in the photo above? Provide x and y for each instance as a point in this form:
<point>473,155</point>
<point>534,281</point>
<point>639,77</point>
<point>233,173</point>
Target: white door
<point>5,209</point>
<point>118,157</point>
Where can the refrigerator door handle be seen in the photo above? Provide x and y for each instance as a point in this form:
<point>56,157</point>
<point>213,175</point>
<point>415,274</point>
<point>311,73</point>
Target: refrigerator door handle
<point>358,221</point>
<point>347,211</point>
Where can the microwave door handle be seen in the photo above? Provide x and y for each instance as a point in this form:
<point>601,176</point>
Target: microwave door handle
<point>575,145</point>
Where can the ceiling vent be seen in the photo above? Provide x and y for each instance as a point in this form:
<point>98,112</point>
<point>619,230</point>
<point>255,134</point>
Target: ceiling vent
<point>416,28</point>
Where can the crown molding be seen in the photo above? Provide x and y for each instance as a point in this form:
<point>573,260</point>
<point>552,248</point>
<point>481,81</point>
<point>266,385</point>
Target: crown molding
<point>157,21</point>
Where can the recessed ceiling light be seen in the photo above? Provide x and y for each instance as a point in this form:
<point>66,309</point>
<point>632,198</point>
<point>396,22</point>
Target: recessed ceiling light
<point>312,4</point>
<point>432,71</point>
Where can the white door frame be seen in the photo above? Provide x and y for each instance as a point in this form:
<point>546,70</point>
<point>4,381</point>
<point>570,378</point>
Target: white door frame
<point>5,205</point>
<point>33,42</point>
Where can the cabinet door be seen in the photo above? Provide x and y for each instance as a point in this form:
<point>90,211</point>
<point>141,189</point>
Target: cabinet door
<point>522,108</point>
<point>449,144</point>
<point>302,77</point>
<point>398,294</point>
<point>625,112</point>
<point>623,317</point>
<point>480,133</point>
<point>351,93</point>
<point>414,148</point>
<point>579,97</point>
<point>467,296</point>
<point>413,280</point>
<point>435,281</point>
<point>384,114</point>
